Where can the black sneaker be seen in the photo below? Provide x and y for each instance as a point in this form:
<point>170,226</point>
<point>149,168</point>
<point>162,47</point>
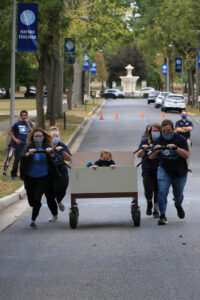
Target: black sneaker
<point>162,220</point>
<point>149,209</point>
<point>156,214</point>
<point>189,170</point>
<point>33,225</point>
<point>180,211</point>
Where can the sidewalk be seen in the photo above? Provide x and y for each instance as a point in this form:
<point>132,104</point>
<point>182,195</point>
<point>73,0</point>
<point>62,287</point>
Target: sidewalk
<point>73,142</point>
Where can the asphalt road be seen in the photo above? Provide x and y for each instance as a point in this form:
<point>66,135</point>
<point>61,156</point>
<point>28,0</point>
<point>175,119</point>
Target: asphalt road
<point>106,257</point>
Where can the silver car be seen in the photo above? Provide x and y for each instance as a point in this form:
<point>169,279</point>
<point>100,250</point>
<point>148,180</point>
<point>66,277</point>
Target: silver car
<point>159,99</point>
<point>173,102</point>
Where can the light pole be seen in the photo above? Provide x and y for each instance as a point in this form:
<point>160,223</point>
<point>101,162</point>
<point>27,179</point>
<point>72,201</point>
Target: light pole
<point>167,58</point>
<point>12,96</point>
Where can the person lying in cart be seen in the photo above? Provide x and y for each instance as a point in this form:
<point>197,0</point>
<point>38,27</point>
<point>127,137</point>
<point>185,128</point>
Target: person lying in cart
<point>105,160</point>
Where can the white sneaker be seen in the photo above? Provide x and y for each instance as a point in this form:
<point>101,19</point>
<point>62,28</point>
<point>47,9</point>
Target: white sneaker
<point>61,206</point>
<point>53,219</point>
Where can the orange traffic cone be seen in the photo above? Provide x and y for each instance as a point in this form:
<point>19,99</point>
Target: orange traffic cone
<point>101,115</point>
<point>142,115</point>
<point>163,115</point>
<point>116,116</point>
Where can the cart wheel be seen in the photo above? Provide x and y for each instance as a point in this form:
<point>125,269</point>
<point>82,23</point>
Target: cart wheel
<point>136,216</point>
<point>73,219</point>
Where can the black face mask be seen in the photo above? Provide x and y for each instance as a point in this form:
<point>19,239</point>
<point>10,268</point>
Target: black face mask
<point>106,163</point>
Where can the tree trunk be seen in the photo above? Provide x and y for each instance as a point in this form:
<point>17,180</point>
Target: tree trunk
<point>70,87</point>
<point>191,86</point>
<point>76,97</point>
<point>39,94</point>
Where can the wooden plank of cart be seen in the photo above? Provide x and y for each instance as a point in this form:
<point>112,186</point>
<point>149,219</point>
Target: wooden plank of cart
<point>103,182</point>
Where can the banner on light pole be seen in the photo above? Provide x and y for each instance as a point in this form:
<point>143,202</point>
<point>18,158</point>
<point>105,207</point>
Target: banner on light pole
<point>27,33</point>
<point>86,64</point>
<point>93,69</point>
<point>69,51</point>
<point>164,69</point>
<point>178,65</point>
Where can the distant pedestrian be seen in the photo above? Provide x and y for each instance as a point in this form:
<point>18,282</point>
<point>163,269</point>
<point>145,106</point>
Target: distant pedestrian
<point>35,168</point>
<point>105,160</point>
<point>149,169</point>
<point>10,153</point>
<point>184,127</point>
<point>59,179</point>
<point>18,133</point>
<point>172,169</point>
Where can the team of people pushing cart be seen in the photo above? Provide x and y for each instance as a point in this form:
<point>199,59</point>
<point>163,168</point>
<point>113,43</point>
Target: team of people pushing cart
<point>164,157</point>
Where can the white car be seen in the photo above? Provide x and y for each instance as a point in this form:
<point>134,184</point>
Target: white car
<point>173,102</point>
<point>159,99</point>
<point>142,91</point>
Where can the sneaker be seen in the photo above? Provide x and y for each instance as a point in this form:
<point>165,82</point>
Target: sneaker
<point>156,214</point>
<point>149,209</point>
<point>61,206</point>
<point>4,174</point>
<point>33,225</point>
<point>189,170</point>
<point>53,219</point>
<point>162,220</point>
<point>180,211</point>
<point>12,178</point>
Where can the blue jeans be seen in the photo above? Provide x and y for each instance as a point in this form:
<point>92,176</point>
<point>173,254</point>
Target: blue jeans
<point>164,183</point>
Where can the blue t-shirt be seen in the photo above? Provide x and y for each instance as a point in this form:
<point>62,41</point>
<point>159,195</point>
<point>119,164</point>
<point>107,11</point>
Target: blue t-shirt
<point>185,123</point>
<point>38,166</point>
<point>149,166</point>
<point>61,167</point>
<point>169,160</point>
<point>20,131</point>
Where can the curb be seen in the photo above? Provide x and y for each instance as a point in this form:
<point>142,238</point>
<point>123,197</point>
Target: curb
<point>21,192</point>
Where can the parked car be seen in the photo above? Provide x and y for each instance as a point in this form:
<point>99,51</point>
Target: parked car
<point>30,92</point>
<point>159,99</point>
<point>152,96</point>
<point>113,93</point>
<point>173,102</point>
<point>142,91</point>
<point>2,92</point>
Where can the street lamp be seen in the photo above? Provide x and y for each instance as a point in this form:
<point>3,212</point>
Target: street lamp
<point>167,58</point>
<point>12,97</point>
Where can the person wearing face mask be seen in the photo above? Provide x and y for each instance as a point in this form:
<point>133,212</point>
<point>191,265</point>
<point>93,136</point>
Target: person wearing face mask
<point>184,127</point>
<point>172,169</point>
<point>149,169</point>
<point>105,160</point>
<point>35,167</point>
<point>18,132</point>
<point>58,180</point>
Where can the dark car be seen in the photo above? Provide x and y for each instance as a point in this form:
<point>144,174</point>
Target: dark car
<point>30,92</point>
<point>152,96</point>
<point>113,93</point>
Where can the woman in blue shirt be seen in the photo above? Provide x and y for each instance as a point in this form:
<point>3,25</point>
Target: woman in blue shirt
<point>58,180</point>
<point>35,168</point>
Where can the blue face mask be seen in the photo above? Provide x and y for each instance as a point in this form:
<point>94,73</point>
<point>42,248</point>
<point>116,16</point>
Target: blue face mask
<point>155,134</point>
<point>184,116</point>
<point>56,140</point>
<point>167,136</point>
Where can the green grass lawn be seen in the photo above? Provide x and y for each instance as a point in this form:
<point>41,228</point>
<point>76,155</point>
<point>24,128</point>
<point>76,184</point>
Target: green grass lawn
<point>73,119</point>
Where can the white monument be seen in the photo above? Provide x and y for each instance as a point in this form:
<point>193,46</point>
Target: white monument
<point>128,82</point>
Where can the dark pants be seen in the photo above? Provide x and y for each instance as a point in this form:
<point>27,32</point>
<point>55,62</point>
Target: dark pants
<point>150,188</point>
<point>35,188</point>
<point>56,190</point>
<point>18,151</point>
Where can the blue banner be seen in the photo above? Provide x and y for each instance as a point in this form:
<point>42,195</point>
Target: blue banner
<point>164,69</point>
<point>69,50</point>
<point>27,33</point>
<point>178,65</point>
<point>86,64</point>
<point>93,69</point>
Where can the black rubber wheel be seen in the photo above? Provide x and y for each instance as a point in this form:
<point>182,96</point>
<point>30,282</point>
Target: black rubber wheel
<point>73,219</point>
<point>136,216</point>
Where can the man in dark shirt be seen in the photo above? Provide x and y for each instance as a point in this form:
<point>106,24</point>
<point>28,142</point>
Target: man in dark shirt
<point>184,127</point>
<point>172,169</point>
<point>18,133</point>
